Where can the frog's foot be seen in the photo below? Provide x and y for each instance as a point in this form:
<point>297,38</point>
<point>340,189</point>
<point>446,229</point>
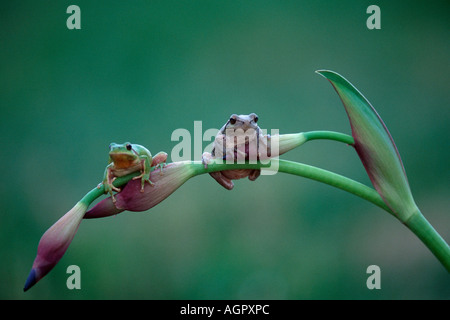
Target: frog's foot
<point>144,177</point>
<point>206,159</point>
<point>222,180</point>
<point>109,188</point>
<point>160,166</point>
<point>254,174</point>
<point>113,187</point>
<point>159,161</point>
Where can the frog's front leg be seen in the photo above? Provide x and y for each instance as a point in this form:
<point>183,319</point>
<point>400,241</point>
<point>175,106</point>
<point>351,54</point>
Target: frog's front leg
<point>107,182</point>
<point>159,161</point>
<point>145,171</point>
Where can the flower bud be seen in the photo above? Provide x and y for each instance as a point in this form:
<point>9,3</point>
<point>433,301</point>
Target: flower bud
<point>165,182</point>
<point>54,243</point>
<point>375,147</point>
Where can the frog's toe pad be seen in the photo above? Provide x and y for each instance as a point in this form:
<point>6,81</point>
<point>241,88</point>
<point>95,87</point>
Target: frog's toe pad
<point>206,159</point>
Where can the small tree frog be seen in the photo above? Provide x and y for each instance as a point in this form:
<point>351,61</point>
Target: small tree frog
<point>127,158</point>
<point>245,135</point>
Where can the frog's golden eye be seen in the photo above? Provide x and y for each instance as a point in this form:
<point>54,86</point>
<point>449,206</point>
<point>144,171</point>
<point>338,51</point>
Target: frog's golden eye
<point>129,147</point>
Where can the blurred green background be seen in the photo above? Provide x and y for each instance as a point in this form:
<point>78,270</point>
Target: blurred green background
<point>138,70</point>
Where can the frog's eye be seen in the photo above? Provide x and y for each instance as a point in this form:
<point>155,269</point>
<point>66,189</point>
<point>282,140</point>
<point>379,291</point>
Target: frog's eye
<point>255,119</point>
<point>128,146</point>
<point>254,116</point>
<point>233,118</point>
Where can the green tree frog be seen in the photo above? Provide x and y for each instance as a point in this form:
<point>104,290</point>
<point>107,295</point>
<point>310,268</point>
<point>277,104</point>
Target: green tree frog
<point>127,158</point>
<point>238,139</point>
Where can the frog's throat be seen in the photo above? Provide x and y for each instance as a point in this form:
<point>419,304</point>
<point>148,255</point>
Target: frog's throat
<point>123,160</point>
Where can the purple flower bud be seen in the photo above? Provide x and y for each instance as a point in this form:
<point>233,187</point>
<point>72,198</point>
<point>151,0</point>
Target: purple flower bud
<point>131,198</point>
<point>54,243</point>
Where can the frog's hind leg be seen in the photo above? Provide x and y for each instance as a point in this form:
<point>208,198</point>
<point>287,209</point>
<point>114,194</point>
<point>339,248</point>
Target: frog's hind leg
<point>254,174</point>
<point>222,180</point>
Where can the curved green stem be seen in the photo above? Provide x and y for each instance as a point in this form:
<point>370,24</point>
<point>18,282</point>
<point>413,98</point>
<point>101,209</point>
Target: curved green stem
<point>335,180</point>
<point>420,226</point>
<point>417,223</point>
<point>305,171</point>
<point>285,166</point>
<point>94,194</point>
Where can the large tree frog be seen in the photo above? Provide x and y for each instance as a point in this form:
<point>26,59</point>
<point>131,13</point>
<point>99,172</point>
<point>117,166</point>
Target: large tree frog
<point>243,143</point>
<point>128,158</point>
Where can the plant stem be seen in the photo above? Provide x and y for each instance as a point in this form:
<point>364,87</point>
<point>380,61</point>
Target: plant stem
<point>92,195</point>
<point>420,226</point>
<point>334,180</point>
<point>417,223</point>
<point>98,192</point>
<point>329,135</point>
<point>305,171</point>
<point>290,167</point>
